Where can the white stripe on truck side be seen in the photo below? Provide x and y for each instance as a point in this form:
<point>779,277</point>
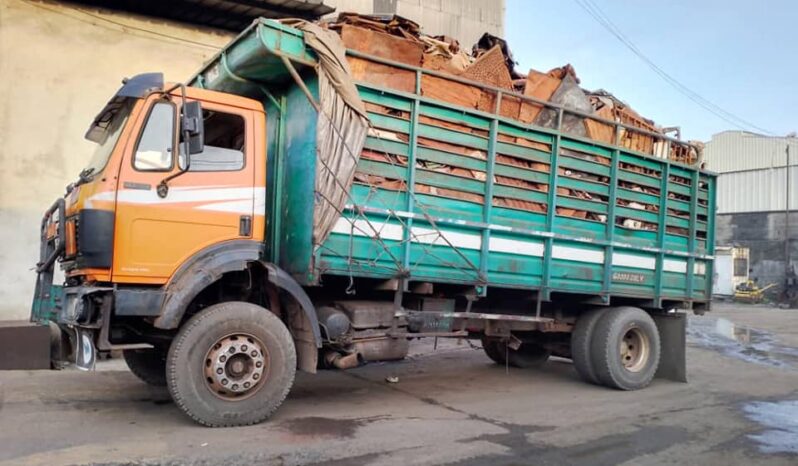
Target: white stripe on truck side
<point>421,235</point>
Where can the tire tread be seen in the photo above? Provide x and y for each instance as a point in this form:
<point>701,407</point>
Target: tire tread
<point>581,342</point>
<point>172,369</point>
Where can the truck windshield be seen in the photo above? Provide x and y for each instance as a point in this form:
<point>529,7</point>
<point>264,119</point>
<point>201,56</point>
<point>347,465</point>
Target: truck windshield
<point>111,135</point>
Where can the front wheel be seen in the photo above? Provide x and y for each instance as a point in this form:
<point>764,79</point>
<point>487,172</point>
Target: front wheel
<point>149,365</point>
<point>232,364</point>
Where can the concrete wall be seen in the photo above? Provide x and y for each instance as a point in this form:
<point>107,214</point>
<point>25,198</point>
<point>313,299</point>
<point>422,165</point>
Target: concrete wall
<point>58,67</point>
<point>763,233</point>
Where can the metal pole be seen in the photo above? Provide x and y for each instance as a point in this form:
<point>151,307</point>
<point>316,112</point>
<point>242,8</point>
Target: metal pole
<point>787,217</point>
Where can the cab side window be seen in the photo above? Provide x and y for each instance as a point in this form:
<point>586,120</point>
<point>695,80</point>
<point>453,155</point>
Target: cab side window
<point>225,136</point>
<point>154,149</point>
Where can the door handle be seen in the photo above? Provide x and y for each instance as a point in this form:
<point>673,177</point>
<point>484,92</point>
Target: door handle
<point>245,225</point>
<point>131,185</point>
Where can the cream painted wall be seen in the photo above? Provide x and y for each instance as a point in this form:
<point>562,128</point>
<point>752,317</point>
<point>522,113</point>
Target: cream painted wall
<point>58,67</point>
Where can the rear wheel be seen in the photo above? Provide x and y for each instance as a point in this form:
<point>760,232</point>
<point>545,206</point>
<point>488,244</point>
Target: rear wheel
<point>528,355</point>
<point>580,345</point>
<point>494,349</point>
<point>625,348</point>
<point>232,364</point>
<point>149,365</point>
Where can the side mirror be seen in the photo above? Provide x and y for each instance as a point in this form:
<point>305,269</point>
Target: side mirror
<point>193,127</point>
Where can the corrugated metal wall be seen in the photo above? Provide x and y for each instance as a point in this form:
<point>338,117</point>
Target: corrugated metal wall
<point>752,196</point>
<point>465,20</point>
<point>731,151</point>
<point>757,190</point>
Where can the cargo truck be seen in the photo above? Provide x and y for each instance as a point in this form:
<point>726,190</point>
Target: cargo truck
<point>272,214</point>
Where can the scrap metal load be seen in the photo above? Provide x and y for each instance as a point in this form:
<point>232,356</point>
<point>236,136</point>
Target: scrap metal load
<point>392,47</point>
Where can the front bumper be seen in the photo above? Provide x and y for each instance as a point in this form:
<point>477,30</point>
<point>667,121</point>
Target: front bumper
<point>46,296</point>
<point>71,305</point>
<point>82,314</point>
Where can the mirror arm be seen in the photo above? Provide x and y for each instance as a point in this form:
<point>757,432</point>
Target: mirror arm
<point>163,187</point>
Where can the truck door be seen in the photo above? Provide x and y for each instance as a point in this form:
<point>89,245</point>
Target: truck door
<point>211,202</point>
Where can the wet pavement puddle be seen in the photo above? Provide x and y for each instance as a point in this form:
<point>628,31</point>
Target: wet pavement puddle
<point>780,420</point>
<point>741,342</point>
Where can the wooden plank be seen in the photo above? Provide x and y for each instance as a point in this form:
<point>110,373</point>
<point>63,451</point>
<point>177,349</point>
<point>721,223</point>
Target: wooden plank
<point>540,86</point>
<point>451,125</point>
<point>450,91</point>
<point>455,64</point>
<point>382,45</point>
<point>490,68</point>
<point>382,75</point>
<point>436,62</point>
<point>599,131</point>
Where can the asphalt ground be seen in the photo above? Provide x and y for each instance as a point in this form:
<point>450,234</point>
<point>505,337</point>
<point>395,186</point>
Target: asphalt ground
<point>450,405</point>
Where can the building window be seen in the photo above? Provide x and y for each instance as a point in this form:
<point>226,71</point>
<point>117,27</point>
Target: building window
<point>154,149</point>
<point>740,267</point>
<point>225,135</point>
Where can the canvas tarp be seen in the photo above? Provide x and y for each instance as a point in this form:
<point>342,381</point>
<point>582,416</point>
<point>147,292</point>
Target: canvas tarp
<point>341,128</point>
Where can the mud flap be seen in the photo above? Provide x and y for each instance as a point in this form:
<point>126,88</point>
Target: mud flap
<point>301,329</point>
<point>85,354</point>
<point>673,346</point>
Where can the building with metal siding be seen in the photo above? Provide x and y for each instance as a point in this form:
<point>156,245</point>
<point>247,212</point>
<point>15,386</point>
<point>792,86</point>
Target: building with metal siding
<point>464,20</point>
<point>756,199</point>
<point>734,151</point>
<point>762,190</point>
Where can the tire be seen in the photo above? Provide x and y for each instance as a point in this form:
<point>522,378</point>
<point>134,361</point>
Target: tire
<point>629,366</point>
<point>494,348</point>
<point>527,356</point>
<point>580,345</point>
<point>202,375</point>
<point>149,365</point>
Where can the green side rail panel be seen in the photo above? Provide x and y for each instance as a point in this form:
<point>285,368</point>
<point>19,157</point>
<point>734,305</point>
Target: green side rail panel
<point>45,309</point>
<point>479,238</point>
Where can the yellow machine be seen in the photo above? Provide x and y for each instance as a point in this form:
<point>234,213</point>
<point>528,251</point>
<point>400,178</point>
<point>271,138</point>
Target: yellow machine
<point>750,292</point>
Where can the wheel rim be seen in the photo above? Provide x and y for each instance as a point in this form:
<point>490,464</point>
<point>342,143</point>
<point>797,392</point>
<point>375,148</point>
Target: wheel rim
<point>236,366</point>
<point>634,349</point>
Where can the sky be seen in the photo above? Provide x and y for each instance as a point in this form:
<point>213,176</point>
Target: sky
<point>740,55</point>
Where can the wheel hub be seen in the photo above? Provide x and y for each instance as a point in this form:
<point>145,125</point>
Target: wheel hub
<point>634,350</point>
<point>236,366</point>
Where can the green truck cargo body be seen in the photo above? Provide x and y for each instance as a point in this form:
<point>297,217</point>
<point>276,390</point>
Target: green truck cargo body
<point>473,239</point>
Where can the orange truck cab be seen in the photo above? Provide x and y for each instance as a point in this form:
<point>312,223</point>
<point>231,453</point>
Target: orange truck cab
<point>171,201</point>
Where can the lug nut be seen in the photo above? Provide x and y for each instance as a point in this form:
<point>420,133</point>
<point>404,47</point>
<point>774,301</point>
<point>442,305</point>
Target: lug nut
<point>256,376</point>
<point>254,354</point>
<point>235,386</point>
<point>258,364</point>
<point>232,350</point>
<point>246,384</point>
<point>224,381</point>
<point>222,358</point>
<point>219,371</point>
<point>243,347</point>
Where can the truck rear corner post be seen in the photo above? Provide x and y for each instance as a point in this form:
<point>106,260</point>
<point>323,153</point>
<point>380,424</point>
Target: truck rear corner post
<point>277,214</point>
